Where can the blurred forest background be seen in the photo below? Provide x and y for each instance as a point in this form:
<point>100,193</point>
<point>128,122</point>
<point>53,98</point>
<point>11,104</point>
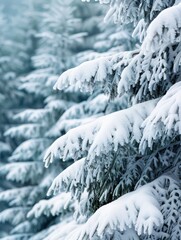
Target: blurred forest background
<point>39,40</point>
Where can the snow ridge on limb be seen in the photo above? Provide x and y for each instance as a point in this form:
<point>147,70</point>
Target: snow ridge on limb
<point>53,206</point>
<point>22,172</point>
<point>152,74</point>
<point>164,29</point>
<point>126,11</point>
<point>26,131</point>
<point>96,74</point>
<point>164,121</point>
<point>30,149</point>
<point>145,217</point>
<point>14,215</point>
<point>102,135</point>
<point>127,212</point>
<point>68,178</point>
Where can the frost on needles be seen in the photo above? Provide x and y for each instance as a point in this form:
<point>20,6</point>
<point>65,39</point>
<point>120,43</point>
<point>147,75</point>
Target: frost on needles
<point>127,163</point>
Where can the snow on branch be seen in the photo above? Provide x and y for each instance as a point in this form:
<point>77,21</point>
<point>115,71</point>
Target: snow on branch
<point>95,74</point>
<point>81,113</point>
<point>164,29</point>
<point>86,108</point>
<point>63,126</point>
<point>22,196</point>
<point>53,206</point>
<point>30,149</point>
<point>165,120</point>
<point>58,231</point>
<point>16,196</point>
<point>33,115</point>
<point>150,75</point>
<point>102,135</point>
<point>57,104</point>
<point>126,11</point>
<point>24,228</point>
<point>68,178</point>
<point>22,171</point>
<point>126,212</point>
<point>14,215</point>
<point>26,131</point>
<point>38,82</point>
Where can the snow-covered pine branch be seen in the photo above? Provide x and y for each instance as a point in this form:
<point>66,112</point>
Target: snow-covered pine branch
<point>79,114</point>
<point>165,29</point>
<point>52,103</point>
<point>25,230</point>
<point>26,131</point>
<point>63,126</point>
<point>68,179</point>
<point>164,121</point>
<point>114,176</point>
<point>102,73</point>
<point>19,236</point>
<point>14,215</point>
<point>86,108</point>
<point>151,75</point>
<point>146,217</point>
<point>105,134</point>
<point>34,116</point>
<point>30,150</point>
<point>54,206</point>
<point>126,11</point>
<point>36,81</point>
<point>22,171</point>
<point>57,231</point>
<point>20,196</point>
<point>16,196</point>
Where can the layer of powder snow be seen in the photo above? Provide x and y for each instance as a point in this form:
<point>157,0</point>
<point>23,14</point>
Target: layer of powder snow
<point>53,206</point>
<point>164,29</point>
<point>102,135</point>
<point>165,119</point>
<point>138,210</point>
<point>95,74</point>
<point>68,177</point>
<point>32,115</point>
<point>82,74</point>
<point>66,125</point>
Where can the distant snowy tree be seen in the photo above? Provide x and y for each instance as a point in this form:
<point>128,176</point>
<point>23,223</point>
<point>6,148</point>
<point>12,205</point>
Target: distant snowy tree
<point>126,176</point>
<point>59,40</point>
<point>18,45</point>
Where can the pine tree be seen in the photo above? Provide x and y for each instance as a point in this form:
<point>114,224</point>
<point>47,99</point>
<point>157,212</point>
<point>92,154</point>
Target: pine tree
<point>58,37</point>
<point>18,45</point>
<point>126,175</point>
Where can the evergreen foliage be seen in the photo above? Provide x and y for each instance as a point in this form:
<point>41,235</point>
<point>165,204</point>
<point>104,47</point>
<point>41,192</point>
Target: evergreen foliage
<point>109,132</point>
<point>132,154</point>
